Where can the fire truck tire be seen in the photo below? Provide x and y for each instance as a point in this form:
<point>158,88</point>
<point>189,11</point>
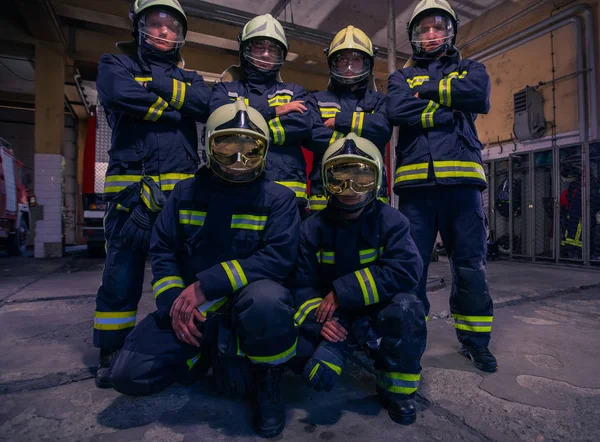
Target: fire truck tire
<point>17,242</point>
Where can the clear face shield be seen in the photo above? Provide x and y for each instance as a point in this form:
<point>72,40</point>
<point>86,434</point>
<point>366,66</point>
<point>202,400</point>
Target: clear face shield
<point>349,67</point>
<point>433,32</point>
<point>237,158</point>
<point>163,29</point>
<point>264,54</point>
<point>352,185</point>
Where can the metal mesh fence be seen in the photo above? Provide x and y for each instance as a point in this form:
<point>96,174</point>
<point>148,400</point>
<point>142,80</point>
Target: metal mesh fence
<point>521,196</point>
<point>103,137</point>
<point>594,211</point>
<point>571,203</point>
<point>500,207</point>
<point>543,204</point>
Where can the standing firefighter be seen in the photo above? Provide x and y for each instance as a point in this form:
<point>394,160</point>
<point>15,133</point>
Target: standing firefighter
<point>357,274</point>
<point>348,105</point>
<point>152,106</point>
<point>439,176</point>
<point>263,48</point>
<point>225,237</point>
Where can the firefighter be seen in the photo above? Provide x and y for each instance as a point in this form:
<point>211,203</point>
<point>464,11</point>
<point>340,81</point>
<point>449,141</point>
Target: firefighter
<point>152,106</point>
<point>356,277</point>
<point>439,176</point>
<point>350,104</point>
<point>262,49</point>
<point>226,236</point>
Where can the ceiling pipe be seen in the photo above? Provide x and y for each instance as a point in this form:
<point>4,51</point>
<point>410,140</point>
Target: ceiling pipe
<point>235,17</point>
<point>519,15</point>
<point>554,22</point>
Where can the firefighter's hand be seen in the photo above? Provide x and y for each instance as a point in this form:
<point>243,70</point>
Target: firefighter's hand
<point>188,331</point>
<point>185,307</point>
<point>294,106</point>
<point>327,308</point>
<point>333,331</point>
<point>330,123</point>
<point>417,95</point>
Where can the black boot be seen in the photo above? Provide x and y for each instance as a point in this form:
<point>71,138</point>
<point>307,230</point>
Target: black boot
<point>402,411</point>
<point>107,356</point>
<point>270,411</point>
<point>481,357</point>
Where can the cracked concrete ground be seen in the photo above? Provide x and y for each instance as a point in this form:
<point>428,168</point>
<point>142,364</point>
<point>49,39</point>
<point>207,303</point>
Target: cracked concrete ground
<point>545,338</point>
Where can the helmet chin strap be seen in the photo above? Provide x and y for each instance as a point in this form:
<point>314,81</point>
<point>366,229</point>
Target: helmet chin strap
<point>353,208</point>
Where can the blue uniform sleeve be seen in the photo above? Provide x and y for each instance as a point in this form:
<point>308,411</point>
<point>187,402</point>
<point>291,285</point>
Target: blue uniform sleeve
<point>397,271</point>
<point>374,126</point>
<point>187,93</point>
<point>292,127</point>
<point>119,91</point>
<point>167,283</point>
<point>219,97</point>
<point>404,109</point>
<point>308,292</point>
<point>274,261</point>
<point>321,135</point>
<point>467,91</point>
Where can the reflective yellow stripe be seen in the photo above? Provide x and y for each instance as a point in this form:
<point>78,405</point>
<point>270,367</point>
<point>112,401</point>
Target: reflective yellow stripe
<point>116,183</point>
<point>427,115</point>
<point>193,361</point>
<point>411,172</point>
<point>313,372</point>
<point>122,208</point>
<point>325,257</point>
<point>335,136</point>
<point>305,309</point>
<point>142,79</point>
<point>236,275</point>
<point>166,283</point>
<point>482,324</point>
<point>249,222</point>
<point>417,81</point>
<point>279,100</point>
<point>329,112</point>
<point>192,217</point>
<point>368,255</point>
<point>156,110</point>
<point>334,367</point>
<point>367,286</point>
<point>178,97</point>
<point>458,169</point>
<point>296,186</point>
<point>398,383</point>
<point>358,119</point>
<point>146,194</point>
<point>212,306</point>
<point>114,320</point>
<point>277,359</point>
<point>277,130</point>
<point>317,203</point>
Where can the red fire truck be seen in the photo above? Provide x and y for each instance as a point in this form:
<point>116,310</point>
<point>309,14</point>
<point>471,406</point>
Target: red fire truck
<point>15,218</point>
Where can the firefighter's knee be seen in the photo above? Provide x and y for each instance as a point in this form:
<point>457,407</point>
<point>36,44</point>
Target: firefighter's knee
<point>131,374</point>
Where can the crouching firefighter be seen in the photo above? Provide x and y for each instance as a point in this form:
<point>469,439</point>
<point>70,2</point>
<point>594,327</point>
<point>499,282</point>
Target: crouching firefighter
<point>152,106</point>
<point>224,242</point>
<point>350,104</point>
<point>439,177</point>
<point>356,281</point>
<point>263,48</point>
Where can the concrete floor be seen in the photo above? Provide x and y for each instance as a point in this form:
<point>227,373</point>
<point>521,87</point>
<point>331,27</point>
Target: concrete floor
<point>545,337</point>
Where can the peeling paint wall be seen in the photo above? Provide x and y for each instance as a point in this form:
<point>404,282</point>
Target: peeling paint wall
<point>527,65</point>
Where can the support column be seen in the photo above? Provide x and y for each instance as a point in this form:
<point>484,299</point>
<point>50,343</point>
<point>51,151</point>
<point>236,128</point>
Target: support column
<point>48,160</point>
<point>391,44</point>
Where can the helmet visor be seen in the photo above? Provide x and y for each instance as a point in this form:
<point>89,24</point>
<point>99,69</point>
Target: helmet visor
<point>432,31</point>
<point>162,28</point>
<point>264,54</point>
<point>349,66</point>
<point>354,177</point>
<point>238,152</point>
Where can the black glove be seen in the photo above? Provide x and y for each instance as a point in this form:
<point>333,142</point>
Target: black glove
<point>137,230</point>
<point>325,366</point>
<point>233,375</point>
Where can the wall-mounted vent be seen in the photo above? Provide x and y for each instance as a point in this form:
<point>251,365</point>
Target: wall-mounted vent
<point>529,114</point>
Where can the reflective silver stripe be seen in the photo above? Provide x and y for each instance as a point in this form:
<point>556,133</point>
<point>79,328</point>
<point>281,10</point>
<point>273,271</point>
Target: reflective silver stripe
<point>281,92</point>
